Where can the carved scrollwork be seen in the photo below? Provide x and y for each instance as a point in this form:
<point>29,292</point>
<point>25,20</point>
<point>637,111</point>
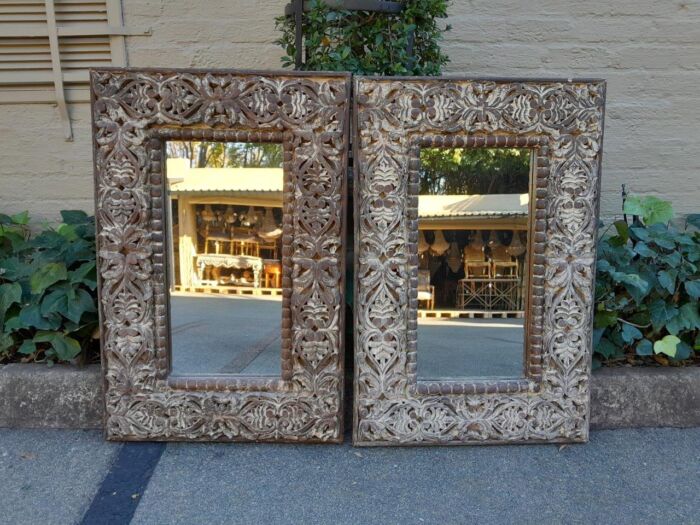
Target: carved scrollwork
<point>391,407</point>
<point>311,112</point>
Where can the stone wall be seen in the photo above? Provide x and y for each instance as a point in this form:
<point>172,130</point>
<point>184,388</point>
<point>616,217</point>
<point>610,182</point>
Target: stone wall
<point>649,51</point>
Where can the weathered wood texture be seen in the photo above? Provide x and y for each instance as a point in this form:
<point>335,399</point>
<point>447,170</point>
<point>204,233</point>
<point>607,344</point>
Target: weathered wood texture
<point>563,122</point>
<point>133,112</point>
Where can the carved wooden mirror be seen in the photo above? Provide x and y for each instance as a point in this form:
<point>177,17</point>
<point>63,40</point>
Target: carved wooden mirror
<point>220,204</point>
<point>476,207</point>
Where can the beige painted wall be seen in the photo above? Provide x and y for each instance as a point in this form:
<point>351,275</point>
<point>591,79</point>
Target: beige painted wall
<point>648,50</point>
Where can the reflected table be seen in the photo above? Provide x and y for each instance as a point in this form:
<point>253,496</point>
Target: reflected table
<point>239,262</point>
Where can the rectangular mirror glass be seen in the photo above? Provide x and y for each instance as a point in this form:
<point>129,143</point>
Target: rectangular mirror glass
<point>473,209</point>
<point>225,267</point>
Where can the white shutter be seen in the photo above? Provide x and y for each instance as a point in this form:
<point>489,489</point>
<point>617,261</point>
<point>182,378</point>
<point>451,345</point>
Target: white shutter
<point>48,46</point>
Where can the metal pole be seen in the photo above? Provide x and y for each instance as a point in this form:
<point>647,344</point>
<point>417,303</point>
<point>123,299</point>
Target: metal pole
<point>298,6</point>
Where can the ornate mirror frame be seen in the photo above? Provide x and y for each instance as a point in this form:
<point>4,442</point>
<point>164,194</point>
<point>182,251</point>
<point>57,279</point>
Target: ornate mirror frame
<point>562,121</point>
<point>133,112</point>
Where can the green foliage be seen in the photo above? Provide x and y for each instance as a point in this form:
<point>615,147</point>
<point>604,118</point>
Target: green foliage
<point>369,43</point>
<point>47,289</point>
<point>651,209</point>
<point>474,171</point>
<point>648,286</point>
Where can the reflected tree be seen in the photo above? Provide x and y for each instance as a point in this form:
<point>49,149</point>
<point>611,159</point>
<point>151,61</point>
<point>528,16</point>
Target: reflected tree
<point>470,171</point>
<point>227,154</point>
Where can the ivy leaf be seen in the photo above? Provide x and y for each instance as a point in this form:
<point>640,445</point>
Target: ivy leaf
<point>84,274</point>
<point>30,317</point>
<point>675,325</point>
<point>667,345</point>
<point>21,218</point>
<point>634,283</point>
<point>689,312</point>
<point>661,312</point>
<point>630,333</point>
<point>605,318</point>
<point>607,349</point>
<point>67,231</point>
<point>16,238</point>
<point>660,235</point>
<point>643,249</point>
<point>597,334</point>
<point>673,259</point>
<point>604,266</point>
<point>651,209</point>
<point>693,288</point>
<point>76,306</point>
<point>6,342</point>
<point>694,220</point>
<point>644,347</point>
<point>667,279</point>
<point>66,347</point>
<point>27,347</point>
<point>622,230</point>
<point>74,216</point>
<point>687,319</point>
<point>683,350</point>
<point>10,293</point>
<point>640,233</point>
<point>46,276</point>
<point>54,302</point>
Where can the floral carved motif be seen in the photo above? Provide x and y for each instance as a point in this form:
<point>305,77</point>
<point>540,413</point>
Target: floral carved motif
<point>133,110</point>
<point>552,402</point>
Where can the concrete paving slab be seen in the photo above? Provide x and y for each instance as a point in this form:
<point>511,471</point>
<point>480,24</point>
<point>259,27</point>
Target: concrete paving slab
<point>50,476</point>
<point>626,476</point>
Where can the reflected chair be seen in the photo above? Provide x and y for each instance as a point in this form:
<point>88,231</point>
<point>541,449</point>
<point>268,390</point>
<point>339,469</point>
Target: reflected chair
<point>244,242</point>
<point>269,232</point>
<point>475,263</point>
<point>426,292</point>
<point>502,264</point>
<point>272,274</point>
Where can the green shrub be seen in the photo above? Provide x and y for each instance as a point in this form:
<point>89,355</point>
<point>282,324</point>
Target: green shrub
<point>369,43</point>
<point>648,286</point>
<point>47,289</point>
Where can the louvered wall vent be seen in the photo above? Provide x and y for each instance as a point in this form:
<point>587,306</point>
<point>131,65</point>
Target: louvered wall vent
<point>48,46</point>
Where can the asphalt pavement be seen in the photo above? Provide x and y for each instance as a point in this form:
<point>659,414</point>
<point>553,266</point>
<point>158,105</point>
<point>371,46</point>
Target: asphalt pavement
<point>638,476</point>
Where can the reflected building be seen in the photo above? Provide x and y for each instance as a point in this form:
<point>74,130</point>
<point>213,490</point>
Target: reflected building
<point>226,229</point>
<point>472,251</point>
<point>473,223</point>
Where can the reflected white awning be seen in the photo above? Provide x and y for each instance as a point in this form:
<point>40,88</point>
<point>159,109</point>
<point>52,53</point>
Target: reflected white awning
<point>506,211</point>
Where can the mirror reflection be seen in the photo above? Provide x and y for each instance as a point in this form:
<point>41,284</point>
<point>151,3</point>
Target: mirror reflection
<point>472,243</point>
<point>225,271</point>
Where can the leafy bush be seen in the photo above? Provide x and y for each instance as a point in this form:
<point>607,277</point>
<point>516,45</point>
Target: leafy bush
<point>47,289</point>
<point>648,286</point>
<point>366,42</point>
